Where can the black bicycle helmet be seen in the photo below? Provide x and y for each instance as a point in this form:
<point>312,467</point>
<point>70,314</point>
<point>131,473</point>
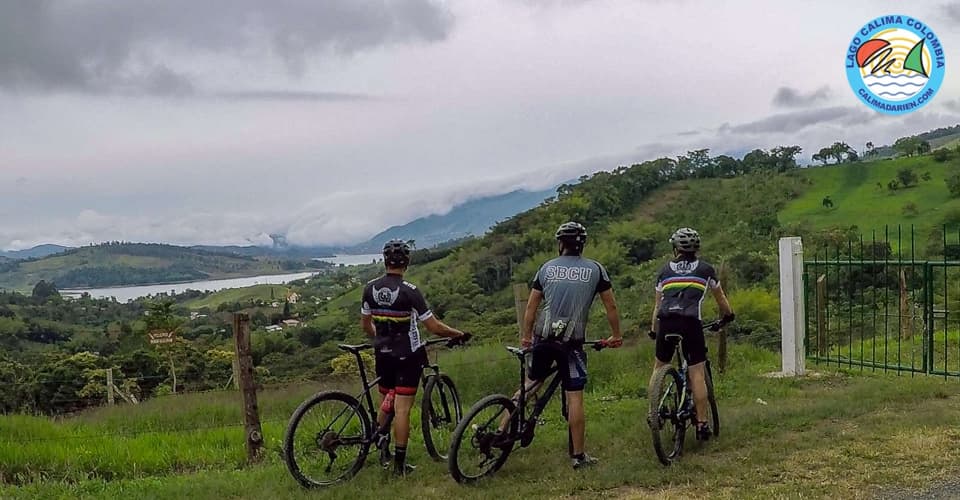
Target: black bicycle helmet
<point>573,232</point>
<point>396,253</point>
<point>686,240</point>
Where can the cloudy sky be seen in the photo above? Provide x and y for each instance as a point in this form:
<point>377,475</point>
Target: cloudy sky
<point>222,121</point>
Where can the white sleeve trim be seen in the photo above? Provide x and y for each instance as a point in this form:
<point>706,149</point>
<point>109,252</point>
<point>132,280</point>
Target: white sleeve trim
<point>425,316</point>
<point>365,310</point>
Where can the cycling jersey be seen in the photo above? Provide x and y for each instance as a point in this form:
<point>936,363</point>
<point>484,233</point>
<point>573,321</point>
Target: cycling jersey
<point>569,285</point>
<point>395,306</point>
<point>683,285</point>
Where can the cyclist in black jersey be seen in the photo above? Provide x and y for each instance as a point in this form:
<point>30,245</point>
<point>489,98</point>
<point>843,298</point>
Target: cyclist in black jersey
<point>390,313</point>
<point>681,288</point>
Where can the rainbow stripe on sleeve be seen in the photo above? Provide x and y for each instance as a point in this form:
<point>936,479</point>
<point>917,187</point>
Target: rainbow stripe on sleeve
<point>684,282</point>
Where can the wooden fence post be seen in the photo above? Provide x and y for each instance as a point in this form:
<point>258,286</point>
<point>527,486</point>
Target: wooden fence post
<point>235,375</point>
<point>906,315</point>
<point>520,296</point>
<point>248,388</point>
<point>822,315</point>
<point>724,276</point>
<point>110,399</point>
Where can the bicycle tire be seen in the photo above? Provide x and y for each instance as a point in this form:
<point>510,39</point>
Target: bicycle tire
<point>666,378</point>
<point>290,444</point>
<point>456,445</point>
<point>712,398</point>
<point>440,411</point>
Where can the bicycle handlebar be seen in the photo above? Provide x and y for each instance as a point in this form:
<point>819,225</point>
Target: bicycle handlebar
<point>450,342</point>
<point>597,345</point>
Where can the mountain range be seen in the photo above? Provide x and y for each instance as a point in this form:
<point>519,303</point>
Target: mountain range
<point>472,218</point>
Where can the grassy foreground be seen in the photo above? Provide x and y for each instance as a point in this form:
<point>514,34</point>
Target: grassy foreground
<point>831,435</point>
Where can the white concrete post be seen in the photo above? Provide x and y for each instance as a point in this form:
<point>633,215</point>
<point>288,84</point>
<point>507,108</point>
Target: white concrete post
<point>793,326</point>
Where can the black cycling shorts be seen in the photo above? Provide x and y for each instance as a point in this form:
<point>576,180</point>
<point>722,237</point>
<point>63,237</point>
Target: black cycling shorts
<point>694,344</point>
<point>400,374</point>
<point>570,360</point>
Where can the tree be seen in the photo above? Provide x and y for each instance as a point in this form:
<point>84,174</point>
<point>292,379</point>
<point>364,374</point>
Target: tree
<point>841,152</point>
<point>43,291</point>
<point>870,151</point>
<point>953,184</point>
<point>907,177</point>
<point>785,157</point>
<point>286,309</point>
<point>822,156</point>
<point>907,146</point>
<point>893,185</point>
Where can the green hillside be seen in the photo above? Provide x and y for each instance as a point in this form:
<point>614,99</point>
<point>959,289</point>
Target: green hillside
<point>861,197</point>
<point>116,264</point>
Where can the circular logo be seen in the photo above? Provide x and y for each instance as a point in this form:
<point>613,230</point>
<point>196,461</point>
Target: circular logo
<point>895,64</point>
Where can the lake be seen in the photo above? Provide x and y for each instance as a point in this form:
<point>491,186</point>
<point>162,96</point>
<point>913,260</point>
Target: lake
<point>125,293</point>
<point>353,260</point>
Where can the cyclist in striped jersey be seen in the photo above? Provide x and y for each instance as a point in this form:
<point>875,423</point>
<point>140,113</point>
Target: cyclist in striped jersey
<point>681,288</point>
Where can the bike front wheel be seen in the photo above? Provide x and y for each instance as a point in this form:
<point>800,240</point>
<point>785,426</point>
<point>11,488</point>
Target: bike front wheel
<point>666,425</point>
<point>440,412</point>
<point>478,448</point>
<point>327,439</point>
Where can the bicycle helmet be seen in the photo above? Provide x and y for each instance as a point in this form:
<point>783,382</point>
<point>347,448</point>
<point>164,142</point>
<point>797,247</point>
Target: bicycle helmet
<point>572,236</point>
<point>573,232</point>
<point>686,240</point>
<point>396,253</point>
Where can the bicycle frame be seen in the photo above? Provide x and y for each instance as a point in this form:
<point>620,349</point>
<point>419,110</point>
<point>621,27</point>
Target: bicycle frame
<point>519,418</point>
<point>686,410</point>
<point>365,395</point>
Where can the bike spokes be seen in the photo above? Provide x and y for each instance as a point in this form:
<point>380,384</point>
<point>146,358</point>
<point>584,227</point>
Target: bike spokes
<point>329,441</point>
<point>480,447</point>
<point>666,417</point>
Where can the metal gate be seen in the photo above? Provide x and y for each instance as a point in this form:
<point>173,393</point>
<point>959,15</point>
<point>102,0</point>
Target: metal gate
<point>875,306</point>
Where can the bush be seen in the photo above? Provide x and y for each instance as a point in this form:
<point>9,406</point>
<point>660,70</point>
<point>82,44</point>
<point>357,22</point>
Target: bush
<point>756,304</point>
<point>346,364</point>
<point>953,184</point>
<point>910,209</point>
<point>941,155</point>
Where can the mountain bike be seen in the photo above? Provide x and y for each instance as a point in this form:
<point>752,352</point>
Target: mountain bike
<point>478,449</point>
<point>672,409</point>
<point>330,434</point>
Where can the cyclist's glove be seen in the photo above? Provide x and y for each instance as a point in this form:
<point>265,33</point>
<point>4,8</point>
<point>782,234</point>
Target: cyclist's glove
<point>728,318</point>
<point>652,334</point>
<point>457,341</point>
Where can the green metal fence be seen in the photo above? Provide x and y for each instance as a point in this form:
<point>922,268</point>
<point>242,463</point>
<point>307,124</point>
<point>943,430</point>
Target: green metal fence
<point>889,301</point>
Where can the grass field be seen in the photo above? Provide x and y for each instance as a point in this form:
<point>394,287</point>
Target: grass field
<point>831,435</point>
<point>266,293</point>
<point>857,200</point>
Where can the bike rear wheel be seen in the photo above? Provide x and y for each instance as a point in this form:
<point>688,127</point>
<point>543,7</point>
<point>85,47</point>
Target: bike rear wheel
<point>668,430</point>
<point>712,398</point>
<point>477,450</point>
<point>440,412</point>
<point>327,439</point>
